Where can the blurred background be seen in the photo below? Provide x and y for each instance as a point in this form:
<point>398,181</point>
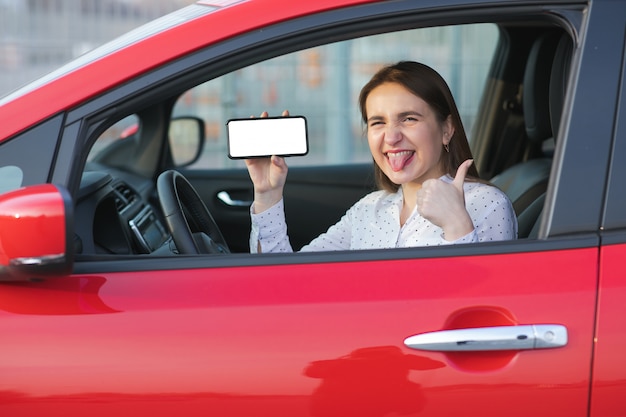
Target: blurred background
<point>38,36</point>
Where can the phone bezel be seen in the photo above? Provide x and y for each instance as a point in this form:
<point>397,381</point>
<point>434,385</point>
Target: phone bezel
<point>301,149</point>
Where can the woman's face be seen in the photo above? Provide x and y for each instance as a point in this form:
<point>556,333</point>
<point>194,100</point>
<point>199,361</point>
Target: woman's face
<point>404,135</point>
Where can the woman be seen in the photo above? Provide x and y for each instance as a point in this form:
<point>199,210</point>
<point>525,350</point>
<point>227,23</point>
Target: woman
<point>430,193</point>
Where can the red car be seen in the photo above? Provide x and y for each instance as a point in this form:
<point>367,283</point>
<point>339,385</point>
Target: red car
<point>104,313</point>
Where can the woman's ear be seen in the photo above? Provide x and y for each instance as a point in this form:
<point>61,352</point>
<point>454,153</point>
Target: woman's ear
<point>448,130</point>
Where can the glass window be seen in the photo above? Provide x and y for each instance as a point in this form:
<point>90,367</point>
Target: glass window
<point>11,178</point>
<point>20,166</point>
<point>123,130</point>
<point>323,84</point>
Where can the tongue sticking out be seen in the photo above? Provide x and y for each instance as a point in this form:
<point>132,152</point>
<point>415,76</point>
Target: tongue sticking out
<point>398,160</point>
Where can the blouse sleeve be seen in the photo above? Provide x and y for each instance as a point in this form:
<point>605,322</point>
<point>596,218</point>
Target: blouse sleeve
<point>492,214</point>
<point>269,233</point>
<point>269,230</point>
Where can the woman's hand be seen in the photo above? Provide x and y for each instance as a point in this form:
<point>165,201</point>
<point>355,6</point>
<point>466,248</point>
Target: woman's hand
<point>443,204</point>
<point>268,176</point>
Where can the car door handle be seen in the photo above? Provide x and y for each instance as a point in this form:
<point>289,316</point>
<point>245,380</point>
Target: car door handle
<point>522,337</point>
<point>225,198</point>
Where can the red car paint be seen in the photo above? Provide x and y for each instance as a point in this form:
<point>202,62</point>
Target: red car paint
<point>230,348</point>
<point>37,211</point>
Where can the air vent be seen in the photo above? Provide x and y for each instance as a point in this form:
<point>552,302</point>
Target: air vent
<point>124,196</point>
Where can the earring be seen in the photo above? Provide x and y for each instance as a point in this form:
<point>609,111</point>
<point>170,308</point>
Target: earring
<point>446,147</point>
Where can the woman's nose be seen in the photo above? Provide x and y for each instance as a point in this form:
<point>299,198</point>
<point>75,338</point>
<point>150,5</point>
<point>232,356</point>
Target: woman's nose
<point>393,134</point>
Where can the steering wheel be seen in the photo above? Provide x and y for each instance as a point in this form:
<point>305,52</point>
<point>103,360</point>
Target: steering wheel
<point>189,221</point>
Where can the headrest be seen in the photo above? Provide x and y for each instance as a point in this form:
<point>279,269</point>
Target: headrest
<point>558,79</point>
<point>536,89</point>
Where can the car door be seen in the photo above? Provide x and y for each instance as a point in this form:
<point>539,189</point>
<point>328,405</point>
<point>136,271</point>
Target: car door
<point>304,335</point>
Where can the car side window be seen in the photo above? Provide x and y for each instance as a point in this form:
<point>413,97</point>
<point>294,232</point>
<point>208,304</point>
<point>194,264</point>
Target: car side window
<point>119,132</point>
<point>19,165</point>
<point>11,178</point>
<point>323,84</point>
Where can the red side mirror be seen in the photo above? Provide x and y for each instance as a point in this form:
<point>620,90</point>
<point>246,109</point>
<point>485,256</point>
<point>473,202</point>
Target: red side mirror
<point>36,228</point>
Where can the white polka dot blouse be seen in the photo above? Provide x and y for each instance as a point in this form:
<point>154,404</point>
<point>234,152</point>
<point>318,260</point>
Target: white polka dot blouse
<point>374,223</point>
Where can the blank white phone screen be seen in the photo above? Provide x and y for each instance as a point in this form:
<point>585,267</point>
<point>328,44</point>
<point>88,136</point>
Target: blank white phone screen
<point>282,136</point>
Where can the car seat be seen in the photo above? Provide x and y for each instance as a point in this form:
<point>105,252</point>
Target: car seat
<point>530,218</point>
<point>526,182</point>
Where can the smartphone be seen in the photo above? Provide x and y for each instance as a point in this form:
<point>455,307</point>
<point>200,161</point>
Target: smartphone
<point>267,136</point>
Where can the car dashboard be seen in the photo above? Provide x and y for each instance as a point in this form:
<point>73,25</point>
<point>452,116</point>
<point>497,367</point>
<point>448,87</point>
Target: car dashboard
<point>112,217</point>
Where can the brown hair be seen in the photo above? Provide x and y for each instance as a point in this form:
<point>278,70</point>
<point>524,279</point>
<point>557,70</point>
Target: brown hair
<point>428,85</point>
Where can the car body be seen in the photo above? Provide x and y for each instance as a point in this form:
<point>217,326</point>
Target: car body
<point>101,315</point>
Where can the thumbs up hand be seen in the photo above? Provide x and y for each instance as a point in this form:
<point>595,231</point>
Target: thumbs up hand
<point>443,204</point>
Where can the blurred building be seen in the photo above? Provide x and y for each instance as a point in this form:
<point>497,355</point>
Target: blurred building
<point>37,36</point>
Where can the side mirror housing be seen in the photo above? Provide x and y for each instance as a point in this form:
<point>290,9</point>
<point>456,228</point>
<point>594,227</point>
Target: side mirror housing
<point>36,229</point>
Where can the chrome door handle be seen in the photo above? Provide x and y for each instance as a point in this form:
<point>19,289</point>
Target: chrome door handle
<point>523,337</point>
<point>225,198</point>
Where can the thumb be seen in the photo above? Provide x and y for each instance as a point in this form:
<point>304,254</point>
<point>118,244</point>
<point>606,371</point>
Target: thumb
<point>461,172</point>
<point>279,162</point>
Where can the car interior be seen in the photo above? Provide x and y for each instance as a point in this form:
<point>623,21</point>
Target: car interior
<point>526,182</point>
<point>140,167</point>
